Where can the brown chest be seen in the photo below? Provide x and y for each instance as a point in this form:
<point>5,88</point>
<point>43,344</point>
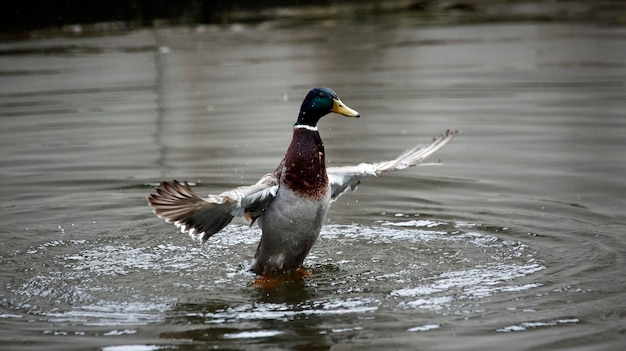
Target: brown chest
<point>305,165</point>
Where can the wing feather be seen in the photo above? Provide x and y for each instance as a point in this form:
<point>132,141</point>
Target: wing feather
<point>349,177</point>
<point>176,203</point>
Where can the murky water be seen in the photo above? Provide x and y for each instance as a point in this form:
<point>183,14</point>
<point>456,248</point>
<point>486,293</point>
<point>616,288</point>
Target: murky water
<point>516,241</point>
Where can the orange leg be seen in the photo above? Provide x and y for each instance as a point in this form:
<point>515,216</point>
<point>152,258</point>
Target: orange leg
<point>273,280</point>
<point>266,281</point>
<point>304,272</point>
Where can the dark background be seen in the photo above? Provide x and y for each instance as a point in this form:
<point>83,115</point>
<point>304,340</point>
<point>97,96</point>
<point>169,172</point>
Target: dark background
<point>32,14</point>
<point>22,16</point>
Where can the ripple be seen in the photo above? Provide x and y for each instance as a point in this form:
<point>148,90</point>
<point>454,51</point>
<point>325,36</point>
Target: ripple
<point>285,312</point>
<point>133,348</point>
<point>355,269</point>
<point>252,334</point>
<point>425,327</point>
<point>527,325</point>
<point>108,313</point>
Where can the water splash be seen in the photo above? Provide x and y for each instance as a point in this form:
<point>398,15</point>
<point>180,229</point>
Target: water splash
<point>401,264</point>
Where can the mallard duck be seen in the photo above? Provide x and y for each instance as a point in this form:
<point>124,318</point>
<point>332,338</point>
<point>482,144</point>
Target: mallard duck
<point>289,204</point>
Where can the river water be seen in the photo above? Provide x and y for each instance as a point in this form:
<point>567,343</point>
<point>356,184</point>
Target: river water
<point>516,241</point>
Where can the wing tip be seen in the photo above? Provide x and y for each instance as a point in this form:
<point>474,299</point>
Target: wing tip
<point>449,133</point>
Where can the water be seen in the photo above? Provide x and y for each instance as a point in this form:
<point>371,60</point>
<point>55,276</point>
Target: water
<point>516,240</point>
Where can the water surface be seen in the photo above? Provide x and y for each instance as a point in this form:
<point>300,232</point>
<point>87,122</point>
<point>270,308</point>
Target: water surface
<point>517,239</point>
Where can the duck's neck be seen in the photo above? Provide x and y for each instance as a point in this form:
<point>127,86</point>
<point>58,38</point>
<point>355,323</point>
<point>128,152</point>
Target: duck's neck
<point>305,164</point>
<point>305,126</point>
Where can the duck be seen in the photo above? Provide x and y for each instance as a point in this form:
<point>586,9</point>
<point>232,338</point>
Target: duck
<point>289,204</point>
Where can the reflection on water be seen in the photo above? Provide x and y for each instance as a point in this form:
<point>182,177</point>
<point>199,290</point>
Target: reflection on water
<point>516,238</point>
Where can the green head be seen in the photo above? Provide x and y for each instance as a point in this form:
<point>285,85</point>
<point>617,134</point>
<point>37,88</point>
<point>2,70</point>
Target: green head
<point>318,103</point>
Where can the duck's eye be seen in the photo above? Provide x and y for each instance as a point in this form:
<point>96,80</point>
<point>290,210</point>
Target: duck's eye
<point>320,94</point>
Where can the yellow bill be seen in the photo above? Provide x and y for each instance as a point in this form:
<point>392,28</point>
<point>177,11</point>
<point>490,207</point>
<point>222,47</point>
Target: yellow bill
<point>342,109</point>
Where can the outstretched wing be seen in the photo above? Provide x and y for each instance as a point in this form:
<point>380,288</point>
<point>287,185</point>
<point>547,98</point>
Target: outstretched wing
<point>176,203</point>
<point>349,177</point>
